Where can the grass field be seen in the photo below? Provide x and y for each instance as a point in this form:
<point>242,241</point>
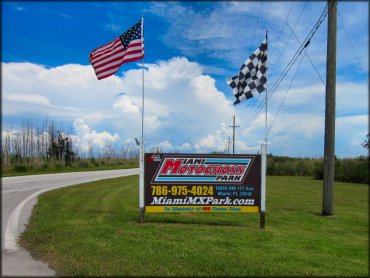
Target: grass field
<point>93,230</point>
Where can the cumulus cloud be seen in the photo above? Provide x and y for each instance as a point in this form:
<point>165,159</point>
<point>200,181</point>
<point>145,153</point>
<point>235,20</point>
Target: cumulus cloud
<point>179,100</point>
<point>85,137</point>
<point>184,109</point>
<point>126,105</point>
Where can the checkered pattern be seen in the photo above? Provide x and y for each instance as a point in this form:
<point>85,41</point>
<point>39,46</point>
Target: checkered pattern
<point>251,80</point>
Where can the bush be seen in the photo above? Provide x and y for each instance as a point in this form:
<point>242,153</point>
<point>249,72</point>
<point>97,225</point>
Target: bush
<point>20,168</point>
<point>83,164</point>
<point>58,165</point>
<point>346,170</point>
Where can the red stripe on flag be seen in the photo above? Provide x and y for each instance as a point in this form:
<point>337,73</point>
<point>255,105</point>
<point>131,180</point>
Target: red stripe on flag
<point>107,59</point>
<point>118,58</point>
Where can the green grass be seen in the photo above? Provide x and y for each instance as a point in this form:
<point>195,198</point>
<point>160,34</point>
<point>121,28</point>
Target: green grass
<point>93,230</point>
<point>82,167</point>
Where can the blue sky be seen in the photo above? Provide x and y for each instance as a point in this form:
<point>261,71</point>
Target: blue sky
<point>190,49</point>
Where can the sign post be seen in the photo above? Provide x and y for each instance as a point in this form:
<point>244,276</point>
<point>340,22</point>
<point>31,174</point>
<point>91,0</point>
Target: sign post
<point>263,186</point>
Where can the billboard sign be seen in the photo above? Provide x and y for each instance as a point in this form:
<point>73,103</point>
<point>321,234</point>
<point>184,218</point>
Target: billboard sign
<point>202,183</point>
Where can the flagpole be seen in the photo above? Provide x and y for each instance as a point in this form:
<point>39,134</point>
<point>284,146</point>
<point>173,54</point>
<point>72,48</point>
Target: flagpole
<point>266,100</point>
<point>264,163</point>
<point>141,166</point>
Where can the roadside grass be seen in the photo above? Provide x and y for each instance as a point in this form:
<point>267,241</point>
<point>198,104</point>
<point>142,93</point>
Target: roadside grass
<point>92,230</point>
<point>76,167</point>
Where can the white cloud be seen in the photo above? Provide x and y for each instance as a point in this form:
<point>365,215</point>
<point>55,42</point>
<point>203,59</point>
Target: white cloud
<point>184,110</point>
<point>165,146</point>
<point>181,104</point>
<point>30,98</point>
<point>180,101</point>
<point>127,106</point>
<point>85,137</point>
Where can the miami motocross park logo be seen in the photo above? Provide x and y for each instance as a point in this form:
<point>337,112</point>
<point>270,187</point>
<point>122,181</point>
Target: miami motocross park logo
<point>202,170</point>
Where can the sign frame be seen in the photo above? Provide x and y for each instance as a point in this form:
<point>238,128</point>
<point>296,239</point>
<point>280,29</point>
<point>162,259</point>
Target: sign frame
<point>165,174</point>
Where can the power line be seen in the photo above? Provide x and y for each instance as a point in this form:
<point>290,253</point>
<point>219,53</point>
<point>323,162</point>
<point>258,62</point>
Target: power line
<point>318,73</point>
<point>353,48</point>
<point>286,43</point>
<point>254,33</point>
<point>267,17</point>
<point>290,64</point>
<point>285,95</point>
<point>286,19</point>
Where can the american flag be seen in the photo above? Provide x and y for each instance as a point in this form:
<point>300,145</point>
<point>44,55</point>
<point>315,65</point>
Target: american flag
<point>128,47</point>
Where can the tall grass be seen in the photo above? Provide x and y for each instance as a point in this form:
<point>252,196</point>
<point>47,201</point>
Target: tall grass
<point>26,166</point>
<point>346,170</point>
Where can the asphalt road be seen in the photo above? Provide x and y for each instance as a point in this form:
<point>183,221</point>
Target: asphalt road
<point>19,194</point>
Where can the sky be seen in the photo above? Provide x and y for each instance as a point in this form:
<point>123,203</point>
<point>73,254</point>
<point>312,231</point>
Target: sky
<point>190,49</point>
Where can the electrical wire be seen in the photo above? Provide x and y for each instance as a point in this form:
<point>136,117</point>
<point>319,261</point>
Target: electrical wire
<point>255,27</point>
<point>353,48</point>
<point>282,28</point>
<point>286,43</point>
<point>285,95</point>
<point>317,71</point>
<point>305,43</point>
<point>267,17</point>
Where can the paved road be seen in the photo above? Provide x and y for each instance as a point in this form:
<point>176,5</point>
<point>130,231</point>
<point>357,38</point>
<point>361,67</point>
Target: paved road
<point>19,194</point>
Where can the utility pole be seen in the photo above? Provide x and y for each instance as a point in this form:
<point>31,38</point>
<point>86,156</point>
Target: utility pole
<point>227,145</point>
<point>329,145</point>
<point>234,126</point>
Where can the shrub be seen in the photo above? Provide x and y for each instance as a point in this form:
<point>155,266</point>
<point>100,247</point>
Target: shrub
<point>83,164</point>
<point>19,168</point>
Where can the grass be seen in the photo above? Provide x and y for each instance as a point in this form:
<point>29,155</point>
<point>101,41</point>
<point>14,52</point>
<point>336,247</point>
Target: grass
<point>76,167</point>
<point>93,230</point>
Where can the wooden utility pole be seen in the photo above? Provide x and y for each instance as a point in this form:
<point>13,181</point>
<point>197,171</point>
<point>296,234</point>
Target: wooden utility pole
<point>228,145</point>
<point>233,126</point>
<point>329,145</point>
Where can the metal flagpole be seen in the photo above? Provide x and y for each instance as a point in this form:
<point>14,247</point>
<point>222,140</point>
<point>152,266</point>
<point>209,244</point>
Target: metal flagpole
<point>264,166</point>
<point>141,166</point>
<point>266,98</point>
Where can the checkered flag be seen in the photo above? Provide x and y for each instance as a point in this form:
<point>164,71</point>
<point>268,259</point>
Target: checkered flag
<point>251,80</point>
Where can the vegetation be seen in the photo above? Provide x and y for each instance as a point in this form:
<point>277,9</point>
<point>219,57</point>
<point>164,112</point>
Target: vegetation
<point>35,150</point>
<point>346,170</point>
<point>50,149</point>
<point>365,144</point>
<point>93,230</point>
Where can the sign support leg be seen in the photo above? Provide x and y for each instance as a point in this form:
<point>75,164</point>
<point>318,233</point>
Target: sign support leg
<point>262,220</point>
<point>263,186</point>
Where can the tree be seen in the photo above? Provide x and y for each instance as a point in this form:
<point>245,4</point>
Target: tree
<point>60,149</point>
<point>365,144</point>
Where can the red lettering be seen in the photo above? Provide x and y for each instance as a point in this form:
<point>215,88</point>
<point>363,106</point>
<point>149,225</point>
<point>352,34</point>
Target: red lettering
<point>191,169</point>
<point>232,170</point>
<point>216,170</point>
<point>171,165</point>
<point>241,170</point>
<point>225,170</point>
<point>208,170</point>
<point>200,170</point>
<point>183,169</point>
